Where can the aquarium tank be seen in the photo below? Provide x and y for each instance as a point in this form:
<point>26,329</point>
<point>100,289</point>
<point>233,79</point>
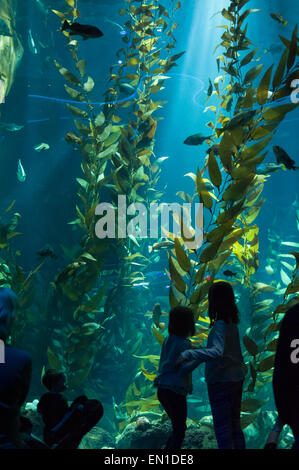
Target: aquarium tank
<point>113,115</point>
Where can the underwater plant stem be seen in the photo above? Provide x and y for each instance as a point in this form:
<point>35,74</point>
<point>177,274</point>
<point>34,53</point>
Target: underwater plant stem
<point>191,283</point>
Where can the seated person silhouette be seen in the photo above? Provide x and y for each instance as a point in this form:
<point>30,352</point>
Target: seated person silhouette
<point>15,376</point>
<point>65,426</point>
<point>286,378</point>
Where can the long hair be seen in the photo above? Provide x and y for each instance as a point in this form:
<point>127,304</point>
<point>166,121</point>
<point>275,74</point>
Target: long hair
<point>222,304</point>
<point>181,322</point>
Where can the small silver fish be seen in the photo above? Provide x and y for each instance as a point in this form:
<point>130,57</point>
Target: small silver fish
<point>31,43</point>
<point>167,244</point>
<point>42,146</point>
<point>11,127</point>
<point>21,174</point>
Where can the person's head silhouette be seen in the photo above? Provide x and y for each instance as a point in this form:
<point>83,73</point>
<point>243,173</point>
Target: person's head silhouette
<point>181,322</point>
<point>222,305</point>
<point>54,381</point>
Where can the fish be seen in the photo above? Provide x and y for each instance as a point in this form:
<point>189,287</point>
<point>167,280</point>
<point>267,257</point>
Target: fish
<point>73,138</point>
<point>47,252</point>
<point>283,157</point>
<point>21,174</point>
<point>229,273</point>
<point>126,88</point>
<point>4,29</point>
<point>11,127</point>
<point>274,49</point>
<point>210,89</point>
<point>156,314</point>
<point>279,18</point>
<point>150,279</point>
<point>85,31</point>
<point>145,285</point>
<point>31,43</point>
<point>42,146</point>
<point>239,120</point>
<point>196,139</point>
<point>270,168</point>
<point>163,245</point>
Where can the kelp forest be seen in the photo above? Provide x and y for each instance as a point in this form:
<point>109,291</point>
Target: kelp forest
<point>96,319</point>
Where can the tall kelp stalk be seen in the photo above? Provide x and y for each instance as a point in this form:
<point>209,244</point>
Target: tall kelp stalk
<point>138,170</point>
<point>117,156</point>
<point>245,123</point>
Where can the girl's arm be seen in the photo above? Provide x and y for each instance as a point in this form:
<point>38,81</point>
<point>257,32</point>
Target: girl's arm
<point>188,366</point>
<point>215,351</point>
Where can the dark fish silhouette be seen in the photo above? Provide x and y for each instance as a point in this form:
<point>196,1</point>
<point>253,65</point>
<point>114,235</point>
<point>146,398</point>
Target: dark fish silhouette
<point>196,139</point>
<point>210,89</point>
<point>83,30</point>
<point>47,252</point>
<point>229,273</point>
<point>283,157</point>
<point>277,17</point>
<point>239,120</point>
